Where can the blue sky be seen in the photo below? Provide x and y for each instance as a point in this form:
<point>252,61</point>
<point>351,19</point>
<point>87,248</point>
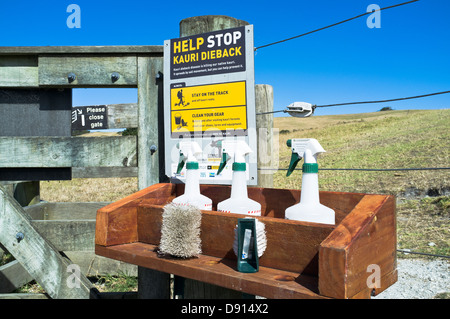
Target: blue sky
<point>407,56</point>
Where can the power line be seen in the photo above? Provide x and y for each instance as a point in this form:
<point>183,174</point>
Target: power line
<point>385,169</point>
<point>384,101</point>
<point>364,169</point>
<point>271,112</point>
<point>334,24</point>
<point>366,102</point>
<point>419,253</point>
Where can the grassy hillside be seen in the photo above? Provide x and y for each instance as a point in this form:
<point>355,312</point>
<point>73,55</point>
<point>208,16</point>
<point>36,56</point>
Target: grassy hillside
<point>391,139</point>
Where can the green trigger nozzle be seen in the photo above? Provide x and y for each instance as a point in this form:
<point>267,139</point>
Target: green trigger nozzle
<point>295,158</point>
<point>223,162</point>
<point>180,163</point>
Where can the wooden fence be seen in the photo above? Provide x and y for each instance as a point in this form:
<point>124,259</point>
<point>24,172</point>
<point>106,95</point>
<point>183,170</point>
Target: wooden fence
<point>36,144</point>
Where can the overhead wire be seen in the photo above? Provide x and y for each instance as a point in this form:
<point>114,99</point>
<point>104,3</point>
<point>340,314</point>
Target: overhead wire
<point>366,102</point>
<point>384,101</point>
<point>364,169</point>
<point>363,102</point>
<point>407,251</point>
<point>334,24</point>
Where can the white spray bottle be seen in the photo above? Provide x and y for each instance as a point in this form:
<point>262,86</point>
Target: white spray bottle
<point>309,209</point>
<point>188,154</point>
<point>238,203</point>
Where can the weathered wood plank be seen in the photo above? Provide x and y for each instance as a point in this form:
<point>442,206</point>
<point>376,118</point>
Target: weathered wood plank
<point>13,276</point>
<point>264,131</point>
<point>122,115</point>
<point>64,211</point>
<point>18,71</point>
<point>94,265</point>
<point>68,235</point>
<point>37,211</point>
<point>149,113</point>
<point>151,50</point>
<point>67,151</point>
<point>104,172</point>
<point>89,71</point>
<point>35,112</point>
<point>37,255</point>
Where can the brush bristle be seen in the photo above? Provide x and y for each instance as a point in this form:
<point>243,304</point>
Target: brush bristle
<point>180,231</point>
<point>261,238</point>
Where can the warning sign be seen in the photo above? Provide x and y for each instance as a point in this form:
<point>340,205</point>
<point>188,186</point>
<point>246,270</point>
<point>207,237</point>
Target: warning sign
<point>209,96</point>
<point>219,108</point>
<point>205,54</point>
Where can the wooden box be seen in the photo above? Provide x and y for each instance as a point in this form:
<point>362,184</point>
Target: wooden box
<point>356,258</point>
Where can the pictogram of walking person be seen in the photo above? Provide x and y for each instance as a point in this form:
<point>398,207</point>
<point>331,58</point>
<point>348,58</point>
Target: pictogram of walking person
<point>180,98</point>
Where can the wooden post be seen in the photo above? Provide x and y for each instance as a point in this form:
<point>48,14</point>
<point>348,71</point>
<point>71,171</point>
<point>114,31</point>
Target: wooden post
<point>152,284</point>
<point>209,23</point>
<point>264,131</point>
<point>148,112</point>
<point>264,103</point>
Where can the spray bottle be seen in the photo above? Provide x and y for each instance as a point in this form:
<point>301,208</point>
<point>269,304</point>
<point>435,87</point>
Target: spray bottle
<point>309,209</point>
<point>238,203</point>
<point>188,154</point>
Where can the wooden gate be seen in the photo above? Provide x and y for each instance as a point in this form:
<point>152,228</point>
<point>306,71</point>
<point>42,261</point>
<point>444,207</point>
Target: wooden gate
<point>36,144</point>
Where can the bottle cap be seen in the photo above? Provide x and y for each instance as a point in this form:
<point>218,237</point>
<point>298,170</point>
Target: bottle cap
<point>241,167</point>
<point>310,168</point>
<point>191,165</point>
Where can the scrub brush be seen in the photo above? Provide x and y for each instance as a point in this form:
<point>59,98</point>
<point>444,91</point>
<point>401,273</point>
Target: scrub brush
<point>261,239</point>
<point>180,231</point>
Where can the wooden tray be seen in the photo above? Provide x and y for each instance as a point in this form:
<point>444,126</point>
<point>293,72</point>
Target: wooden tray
<point>302,260</point>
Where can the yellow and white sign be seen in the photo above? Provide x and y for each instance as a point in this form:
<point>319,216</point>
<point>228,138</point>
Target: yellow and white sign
<point>208,108</point>
<point>209,97</point>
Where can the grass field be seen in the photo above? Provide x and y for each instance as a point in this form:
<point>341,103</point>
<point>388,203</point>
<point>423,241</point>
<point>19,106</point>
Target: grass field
<point>389,139</point>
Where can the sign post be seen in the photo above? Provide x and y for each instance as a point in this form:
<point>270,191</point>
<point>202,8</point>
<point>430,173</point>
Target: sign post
<point>209,96</point>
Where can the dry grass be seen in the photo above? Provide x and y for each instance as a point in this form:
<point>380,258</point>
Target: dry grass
<point>424,225</point>
<point>88,189</point>
<point>392,139</point>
